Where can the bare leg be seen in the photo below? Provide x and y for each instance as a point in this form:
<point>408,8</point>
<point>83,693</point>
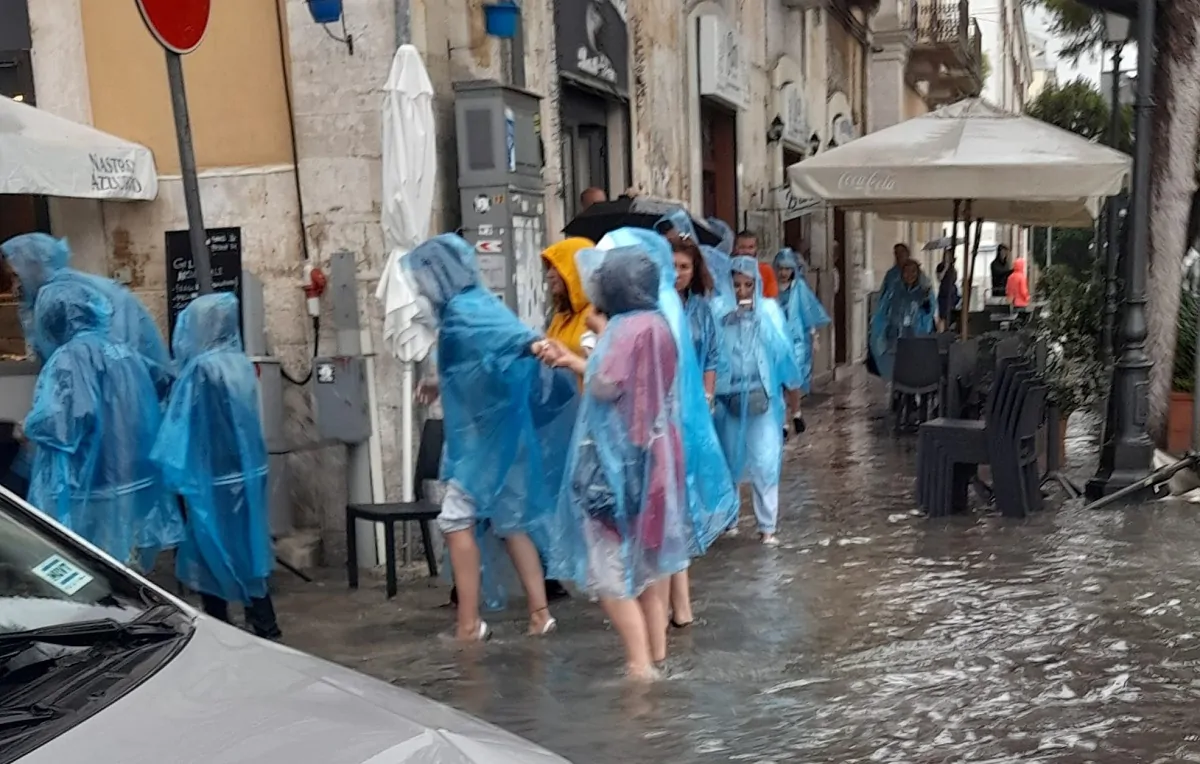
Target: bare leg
<point>630,623</point>
<point>529,569</point>
<point>681,599</point>
<point>654,611</point>
<point>464,557</point>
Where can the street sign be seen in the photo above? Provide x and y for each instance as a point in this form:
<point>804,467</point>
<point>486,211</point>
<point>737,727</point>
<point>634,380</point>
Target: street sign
<point>489,247</point>
<point>178,25</point>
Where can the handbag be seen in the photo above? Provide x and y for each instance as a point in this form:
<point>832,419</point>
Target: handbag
<point>594,492</point>
<point>753,402</point>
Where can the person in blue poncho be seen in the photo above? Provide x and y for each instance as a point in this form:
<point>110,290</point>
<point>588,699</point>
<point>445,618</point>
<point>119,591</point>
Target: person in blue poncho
<point>212,454</point>
<point>891,279</point>
<point>626,482</point>
<point>695,286</point>
<point>38,259</point>
<point>750,394</point>
<point>805,316</point>
<point>712,496</point>
<point>907,309</point>
<point>721,301</point>
<point>508,422</point>
<point>94,419</point>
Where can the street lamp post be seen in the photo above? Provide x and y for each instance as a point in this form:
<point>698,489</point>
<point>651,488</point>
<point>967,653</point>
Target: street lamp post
<point>1116,29</point>
<point>1128,450</point>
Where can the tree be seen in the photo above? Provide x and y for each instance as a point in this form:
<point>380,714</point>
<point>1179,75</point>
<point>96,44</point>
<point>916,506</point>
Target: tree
<point>1173,152</point>
<point>1072,249</point>
<point>1082,109</point>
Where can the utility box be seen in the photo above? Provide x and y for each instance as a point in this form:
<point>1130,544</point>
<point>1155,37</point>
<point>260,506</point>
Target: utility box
<point>500,190</point>
<point>339,385</point>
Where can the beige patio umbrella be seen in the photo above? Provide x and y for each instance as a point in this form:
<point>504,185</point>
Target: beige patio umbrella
<point>971,157</point>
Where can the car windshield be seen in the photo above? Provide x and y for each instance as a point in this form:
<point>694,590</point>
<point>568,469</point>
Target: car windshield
<point>47,579</point>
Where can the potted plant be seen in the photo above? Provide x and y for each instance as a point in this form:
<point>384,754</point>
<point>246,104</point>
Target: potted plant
<point>1067,325</point>
<point>1183,376</point>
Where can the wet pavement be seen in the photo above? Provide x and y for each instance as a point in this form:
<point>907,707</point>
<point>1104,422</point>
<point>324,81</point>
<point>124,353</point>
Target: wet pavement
<point>870,635</point>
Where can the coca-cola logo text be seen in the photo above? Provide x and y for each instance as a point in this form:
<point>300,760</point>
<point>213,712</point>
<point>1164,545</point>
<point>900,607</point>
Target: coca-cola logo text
<point>875,181</point>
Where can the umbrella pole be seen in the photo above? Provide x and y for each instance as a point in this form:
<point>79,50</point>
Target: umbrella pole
<point>968,269</point>
<point>407,487</point>
<point>974,255</point>
<point>953,254</point>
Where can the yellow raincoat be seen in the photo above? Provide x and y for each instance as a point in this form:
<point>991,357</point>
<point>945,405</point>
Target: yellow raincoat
<point>568,327</point>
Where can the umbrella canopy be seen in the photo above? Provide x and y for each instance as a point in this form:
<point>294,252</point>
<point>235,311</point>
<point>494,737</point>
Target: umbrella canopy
<point>1015,169</point>
<point>41,153</point>
<point>631,212</point>
<point>409,170</point>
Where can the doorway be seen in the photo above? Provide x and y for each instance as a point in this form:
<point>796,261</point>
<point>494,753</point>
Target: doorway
<point>718,153</point>
<point>841,353</point>
<point>584,145</point>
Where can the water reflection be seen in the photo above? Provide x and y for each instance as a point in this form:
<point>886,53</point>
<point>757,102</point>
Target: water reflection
<point>871,635</point>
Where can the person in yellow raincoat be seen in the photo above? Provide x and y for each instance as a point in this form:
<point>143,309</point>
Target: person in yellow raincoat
<point>569,322</point>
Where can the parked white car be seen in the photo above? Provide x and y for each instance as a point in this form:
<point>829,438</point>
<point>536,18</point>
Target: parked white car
<point>97,664</point>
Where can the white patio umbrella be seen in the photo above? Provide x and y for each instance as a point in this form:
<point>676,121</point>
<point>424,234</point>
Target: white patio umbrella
<point>1013,168</point>
<point>42,153</point>
<point>409,170</point>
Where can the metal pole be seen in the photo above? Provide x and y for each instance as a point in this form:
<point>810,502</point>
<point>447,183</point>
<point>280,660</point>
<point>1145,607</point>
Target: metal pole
<point>1049,248</point>
<point>1112,218</point>
<point>187,170</point>
<point>1128,450</point>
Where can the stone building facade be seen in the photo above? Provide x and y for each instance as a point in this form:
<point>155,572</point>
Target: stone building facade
<point>711,102</point>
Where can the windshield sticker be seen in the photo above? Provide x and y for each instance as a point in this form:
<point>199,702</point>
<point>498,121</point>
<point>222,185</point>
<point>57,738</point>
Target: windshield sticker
<point>62,575</point>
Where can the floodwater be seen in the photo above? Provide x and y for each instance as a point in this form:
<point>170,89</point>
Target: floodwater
<point>871,635</point>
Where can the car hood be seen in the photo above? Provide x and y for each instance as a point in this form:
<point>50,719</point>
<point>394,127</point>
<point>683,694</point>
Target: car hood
<point>229,698</point>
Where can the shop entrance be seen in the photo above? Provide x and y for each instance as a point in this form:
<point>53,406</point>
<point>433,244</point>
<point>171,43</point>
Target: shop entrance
<point>841,280</point>
<point>584,145</point>
<point>718,142</point>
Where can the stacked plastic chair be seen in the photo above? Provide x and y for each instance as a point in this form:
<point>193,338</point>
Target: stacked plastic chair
<point>950,451</point>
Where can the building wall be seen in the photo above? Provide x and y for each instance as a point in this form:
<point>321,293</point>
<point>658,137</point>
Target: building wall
<point>265,70</point>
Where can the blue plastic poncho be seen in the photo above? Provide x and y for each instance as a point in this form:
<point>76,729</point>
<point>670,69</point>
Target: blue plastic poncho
<point>39,259</point>
<point>802,312</point>
<point>712,497</point>
<point>508,418</point>
<point>211,451</point>
<point>706,341</point>
<point>94,419</point>
<point>679,220</point>
<point>750,404</point>
<point>903,311</point>
<point>626,486</point>
<point>717,259</point>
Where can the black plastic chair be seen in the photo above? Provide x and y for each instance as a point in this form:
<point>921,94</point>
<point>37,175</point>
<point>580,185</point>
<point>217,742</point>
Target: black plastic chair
<point>916,376</point>
<point>429,458</point>
<point>949,451</point>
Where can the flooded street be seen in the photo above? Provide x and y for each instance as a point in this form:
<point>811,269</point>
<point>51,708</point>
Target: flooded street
<point>870,635</point>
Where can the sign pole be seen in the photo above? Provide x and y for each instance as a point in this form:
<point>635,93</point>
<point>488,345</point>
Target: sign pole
<point>187,170</point>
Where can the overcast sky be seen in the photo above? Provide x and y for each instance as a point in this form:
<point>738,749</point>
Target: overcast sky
<point>1088,67</point>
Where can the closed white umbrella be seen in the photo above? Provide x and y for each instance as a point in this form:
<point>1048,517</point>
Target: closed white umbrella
<point>409,170</point>
<point>1013,168</point>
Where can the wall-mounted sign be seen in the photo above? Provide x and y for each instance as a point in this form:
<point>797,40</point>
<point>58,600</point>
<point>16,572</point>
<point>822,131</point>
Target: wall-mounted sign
<point>593,42</point>
<point>225,260</point>
<point>791,206</point>
<point>722,65</point>
<point>794,112</point>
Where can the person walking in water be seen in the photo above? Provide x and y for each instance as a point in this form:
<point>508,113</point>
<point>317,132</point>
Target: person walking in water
<point>507,426</point>
<point>804,316</point>
<point>626,485</point>
<point>750,395</point>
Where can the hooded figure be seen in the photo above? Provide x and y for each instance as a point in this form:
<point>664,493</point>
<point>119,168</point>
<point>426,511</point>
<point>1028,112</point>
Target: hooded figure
<point>677,223</point>
<point>94,419</point>
<point>712,496</point>
<point>211,452</point>
<point>802,311</point>
<point>1017,288</point>
<point>569,322</point>
<point>750,403</point>
<point>626,485</point>
<point>38,259</point>
<point>907,309</point>
<point>717,258</point>
<point>508,419</point>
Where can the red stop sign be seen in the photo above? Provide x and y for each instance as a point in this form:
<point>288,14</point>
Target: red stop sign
<point>178,25</point>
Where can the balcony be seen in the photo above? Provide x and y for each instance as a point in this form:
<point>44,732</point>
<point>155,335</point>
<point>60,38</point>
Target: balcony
<point>946,62</point>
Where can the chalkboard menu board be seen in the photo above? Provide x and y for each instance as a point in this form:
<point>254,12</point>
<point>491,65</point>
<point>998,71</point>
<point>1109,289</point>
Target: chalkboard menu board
<point>225,256</point>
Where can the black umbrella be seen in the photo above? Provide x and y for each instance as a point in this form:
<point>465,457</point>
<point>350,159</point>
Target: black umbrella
<point>632,212</point>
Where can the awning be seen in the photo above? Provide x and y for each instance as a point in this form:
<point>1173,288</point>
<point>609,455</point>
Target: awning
<point>41,153</point>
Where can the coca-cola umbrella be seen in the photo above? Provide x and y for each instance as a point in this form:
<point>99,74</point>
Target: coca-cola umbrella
<point>968,159</point>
